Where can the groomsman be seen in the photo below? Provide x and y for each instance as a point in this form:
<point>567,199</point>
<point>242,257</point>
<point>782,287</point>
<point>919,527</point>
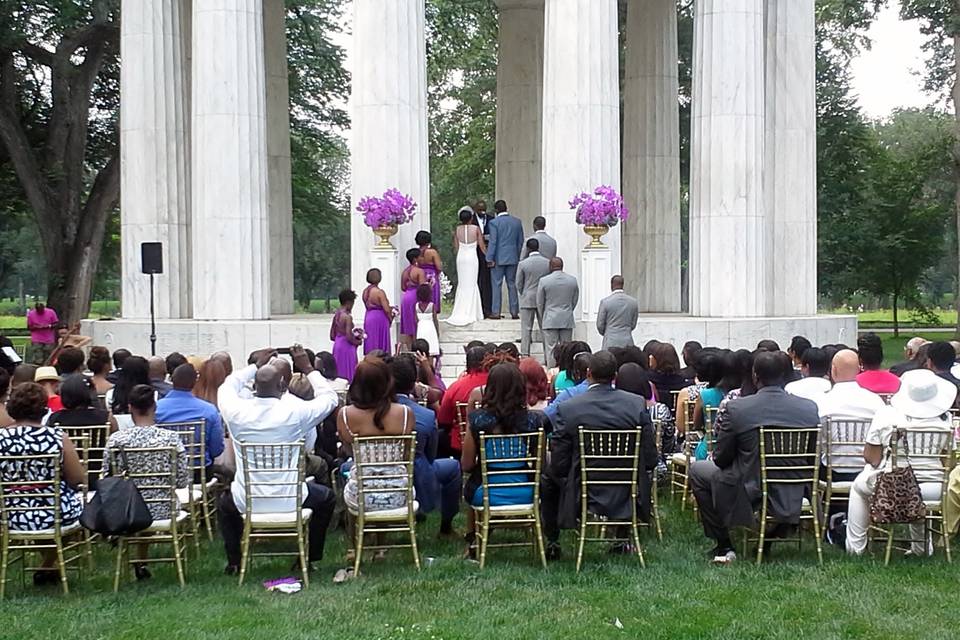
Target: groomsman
<point>529,272</point>
<point>483,275</point>
<point>617,317</point>
<point>503,255</point>
<point>548,246</point>
<point>557,299</point>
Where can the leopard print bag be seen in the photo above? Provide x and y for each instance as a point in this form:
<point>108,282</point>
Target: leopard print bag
<point>897,497</point>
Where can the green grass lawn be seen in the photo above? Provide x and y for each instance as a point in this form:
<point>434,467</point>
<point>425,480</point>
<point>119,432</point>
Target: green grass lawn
<point>678,595</point>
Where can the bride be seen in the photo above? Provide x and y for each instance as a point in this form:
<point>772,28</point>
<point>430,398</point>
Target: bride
<point>467,308</point>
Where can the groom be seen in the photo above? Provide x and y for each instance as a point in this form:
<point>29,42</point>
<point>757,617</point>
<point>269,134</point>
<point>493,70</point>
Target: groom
<point>503,255</point>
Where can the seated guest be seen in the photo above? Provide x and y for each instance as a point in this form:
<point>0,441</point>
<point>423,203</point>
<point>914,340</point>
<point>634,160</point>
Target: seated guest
<point>563,380</point>
<point>912,353</point>
<point>689,353</point>
<point>158,375</point>
<point>815,369</point>
<point>578,376</point>
<point>727,488</point>
<point>49,379</point>
<point>180,405</point>
<point>372,412</point>
<point>119,359</point>
<point>459,391</point>
<point>499,356</point>
<point>80,408</point>
<point>135,371</point>
<point>798,347</point>
<point>210,376</point>
<point>141,435</point>
<point>272,416</point>
<point>874,378</point>
<point>98,362</point>
<point>770,346</point>
<point>940,360</point>
<point>327,366</point>
<point>711,371</point>
<point>430,385</point>
<point>70,362</point>
<point>923,401</point>
<point>634,379</point>
<point>537,384</point>
<point>665,370</point>
<point>502,411</point>
<point>27,406</point>
<point>174,360</point>
<point>437,480</point>
<point>601,407</point>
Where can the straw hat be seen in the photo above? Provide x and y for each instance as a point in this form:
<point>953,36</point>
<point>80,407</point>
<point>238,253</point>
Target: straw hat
<point>924,394</point>
<point>46,374</point>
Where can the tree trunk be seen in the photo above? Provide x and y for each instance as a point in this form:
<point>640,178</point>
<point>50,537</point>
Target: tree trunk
<point>896,317</point>
<point>956,150</point>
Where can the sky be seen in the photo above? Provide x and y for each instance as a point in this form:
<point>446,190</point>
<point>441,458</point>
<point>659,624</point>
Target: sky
<point>885,77</point>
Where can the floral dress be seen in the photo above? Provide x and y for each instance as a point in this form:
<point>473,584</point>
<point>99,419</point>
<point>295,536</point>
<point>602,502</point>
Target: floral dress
<point>386,476</point>
<point>34,513</point>
<point>144,462</point>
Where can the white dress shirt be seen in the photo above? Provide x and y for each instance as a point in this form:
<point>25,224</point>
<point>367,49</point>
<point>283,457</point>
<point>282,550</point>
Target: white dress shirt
<point>270,420</point>
<point>848,401</point>
<point>809,388</point>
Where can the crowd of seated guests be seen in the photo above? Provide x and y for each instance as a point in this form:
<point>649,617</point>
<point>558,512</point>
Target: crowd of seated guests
<point>273,399</point>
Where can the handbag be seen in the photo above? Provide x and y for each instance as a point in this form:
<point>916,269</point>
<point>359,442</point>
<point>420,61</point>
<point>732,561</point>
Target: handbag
<point>897,497</point>
<point>117,508</point>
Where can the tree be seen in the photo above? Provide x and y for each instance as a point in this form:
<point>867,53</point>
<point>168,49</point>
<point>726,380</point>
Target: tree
<point>940,22</point>
<point>58,110</point>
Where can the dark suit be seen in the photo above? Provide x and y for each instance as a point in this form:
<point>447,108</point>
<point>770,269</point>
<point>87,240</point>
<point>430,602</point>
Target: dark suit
<point>727,488</point>
<point>601,407</point>
<point>483,276</point>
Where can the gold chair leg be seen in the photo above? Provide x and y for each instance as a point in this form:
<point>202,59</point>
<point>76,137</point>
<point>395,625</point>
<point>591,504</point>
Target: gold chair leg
<point>581,542</point>
<point>4,561</point>
<point>761,538</point>
<point>62,567</point>
<point>206,516</point>
<point>636,540</point>
<point>538,532</point>
<point>886,559</point>
<point>359,549</point>
<point>244,552</point>
<point>177,551</point>
<point>485,538</point>
<point>121,546</point>
<point>412,525</point>
<point>195,524</point>
<point>304,567</point>
<point>816,532</point>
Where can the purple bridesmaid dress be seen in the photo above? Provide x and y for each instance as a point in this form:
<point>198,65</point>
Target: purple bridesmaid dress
<point>433,276</point>
<point>376,324</point>
<point>408,306</point>
<point>344,351</point>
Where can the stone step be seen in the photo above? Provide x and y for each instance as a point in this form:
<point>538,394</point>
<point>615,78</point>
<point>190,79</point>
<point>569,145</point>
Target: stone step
<point>454,339</point>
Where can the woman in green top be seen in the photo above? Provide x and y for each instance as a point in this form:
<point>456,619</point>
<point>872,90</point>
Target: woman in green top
<point>563,379</point>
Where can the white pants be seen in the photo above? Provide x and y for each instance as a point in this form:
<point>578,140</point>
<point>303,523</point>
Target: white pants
<point>858,513</point>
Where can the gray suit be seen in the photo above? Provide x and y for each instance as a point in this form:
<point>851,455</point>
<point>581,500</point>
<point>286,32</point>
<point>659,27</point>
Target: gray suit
<point>548,246</point>
<point>557,299</point>
<point>529,272</point>
<point>617,318</point>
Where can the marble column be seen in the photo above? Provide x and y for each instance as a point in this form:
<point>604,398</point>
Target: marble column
<point>279,184</point>
<point>154,194</point>
<point>520,107</point>
<point>791,158</point>
<point>727,234</point>
<point>581,117</point>
<point>231,226</point>
<point>389,144</point>
<point>651,156</point>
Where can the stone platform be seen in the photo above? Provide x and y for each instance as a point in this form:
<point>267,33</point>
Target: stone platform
<point>313,331</point>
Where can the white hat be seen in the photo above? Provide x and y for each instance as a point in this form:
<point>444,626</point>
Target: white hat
<point>924,394</point>
<point>45,374</point>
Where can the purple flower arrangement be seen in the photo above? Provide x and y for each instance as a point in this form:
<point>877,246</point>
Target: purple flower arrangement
<point>602,207</point>
<point>391,208</point>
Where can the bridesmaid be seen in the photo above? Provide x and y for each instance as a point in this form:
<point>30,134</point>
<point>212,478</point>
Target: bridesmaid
<point>411,278</point>
<point>341,333</point>
<point>431,264</point>
<point>379,316</point>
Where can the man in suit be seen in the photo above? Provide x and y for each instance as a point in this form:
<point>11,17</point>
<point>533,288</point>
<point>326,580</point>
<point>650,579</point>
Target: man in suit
<point>503,255</point>
<point>481,219</point>
<point>557,297</point>
<point>548,246</point>
<point>727,488</point>
<point>529,273</point>
<point>617,317</point>
<point>600,407</point>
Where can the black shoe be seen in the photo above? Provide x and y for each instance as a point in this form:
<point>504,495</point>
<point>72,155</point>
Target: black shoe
<point>622,549</point>
<point>420,517</point>
<point>46,577</point>
<point>141,572</point>
<point>553,551</point>
<point>231,570</point>
<point>515,317</point>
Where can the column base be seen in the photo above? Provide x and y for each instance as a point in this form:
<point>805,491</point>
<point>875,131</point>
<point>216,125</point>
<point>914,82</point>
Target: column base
<point>596,269</point>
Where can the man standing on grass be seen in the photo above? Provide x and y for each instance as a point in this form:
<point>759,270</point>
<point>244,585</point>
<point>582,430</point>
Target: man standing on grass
<point>42,322</point>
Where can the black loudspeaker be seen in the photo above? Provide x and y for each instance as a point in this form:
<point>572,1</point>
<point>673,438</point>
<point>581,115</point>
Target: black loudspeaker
<point>151,257</point>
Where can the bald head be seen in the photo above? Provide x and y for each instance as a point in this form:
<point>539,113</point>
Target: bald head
<point>158,368</point>
<point>184,377</point>
<point>282,366</point>
<point>268,382</point>
<point>556,264</point>
<point>846,366</point>
<point>913,346</point>
<point>616,283</point>
<point>223,358</point>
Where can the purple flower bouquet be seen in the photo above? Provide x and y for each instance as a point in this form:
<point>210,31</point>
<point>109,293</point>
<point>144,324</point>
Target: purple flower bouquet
<point>393,208</point>
<point>603,207</point>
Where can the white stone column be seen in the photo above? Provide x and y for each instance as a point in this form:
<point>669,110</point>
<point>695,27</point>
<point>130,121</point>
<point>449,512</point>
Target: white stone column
<point>791,158</point>
<point>154,194</point>
<point>231,232</point>
<point>727,234</point>
<point>581,116</point>
<point>651,156</point>
<point>389,144</point>
<point>520,107</point>
<point>280,187</point>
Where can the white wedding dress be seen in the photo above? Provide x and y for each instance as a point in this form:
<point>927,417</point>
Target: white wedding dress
<point>467,308</point>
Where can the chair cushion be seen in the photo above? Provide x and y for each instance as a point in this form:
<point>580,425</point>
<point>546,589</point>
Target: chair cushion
<point>508,510</point>
<point>679,458</point>
<point>281,519</point>
<point>838,486</point>
<point>44,533</point>
<point>389,514</point>
<point>183,495</point>
<point>164,525</point>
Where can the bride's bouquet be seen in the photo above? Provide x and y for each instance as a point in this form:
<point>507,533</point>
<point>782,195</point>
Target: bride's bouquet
<point>446,287</point>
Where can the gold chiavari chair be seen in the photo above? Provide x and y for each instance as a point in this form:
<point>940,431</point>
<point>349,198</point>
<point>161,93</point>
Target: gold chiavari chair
<point>274,477</point>
<point>931,453</point>
<point>843,440</point>
<point>157,487</point>
<point>189,496</point>
<point>383,467</point>
<point>202,494</point>
<point>510,466</point>
<point>95,436</point>
<point>463,421</point>
<point>15,545</point>
<point>609,459</point>
<point>654,481</point>
<point>790,457</point>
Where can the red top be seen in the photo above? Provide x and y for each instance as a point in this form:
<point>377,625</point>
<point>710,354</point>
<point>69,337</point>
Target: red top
<point>459,391</point>
<point>54,403</point>
<point>879,381</point>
